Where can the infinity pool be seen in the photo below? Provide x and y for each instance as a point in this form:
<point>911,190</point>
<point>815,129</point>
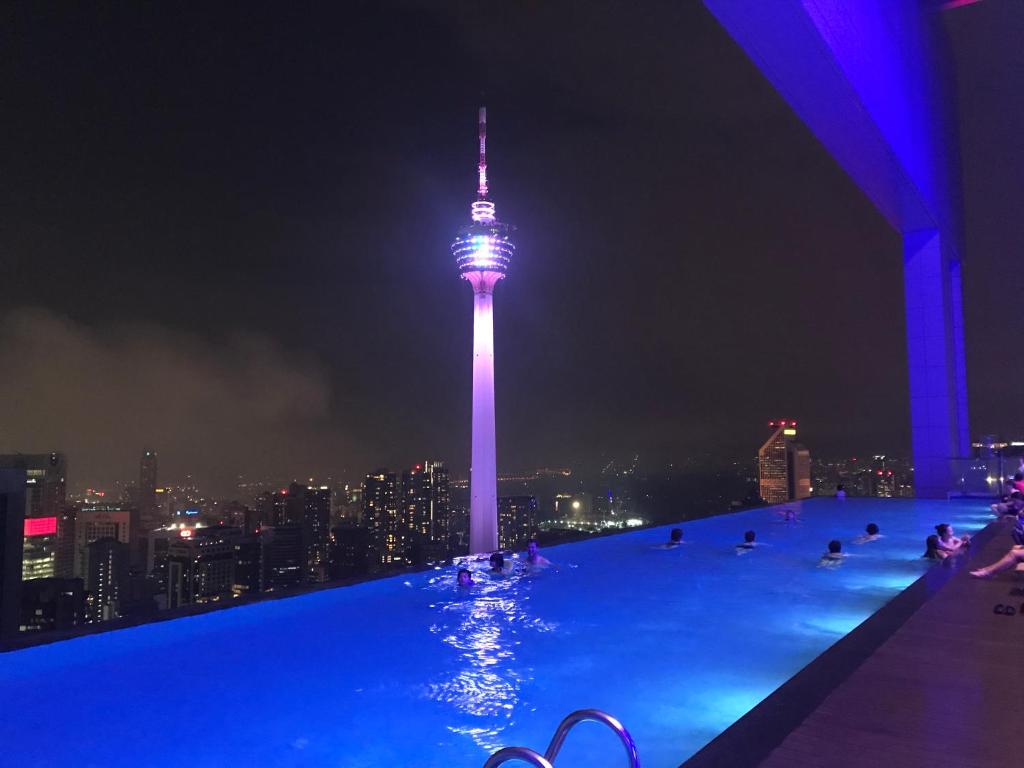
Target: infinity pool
<point>412,671</point>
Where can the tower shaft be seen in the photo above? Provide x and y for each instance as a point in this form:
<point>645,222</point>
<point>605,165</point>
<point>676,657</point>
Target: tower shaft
<point>483,506</point>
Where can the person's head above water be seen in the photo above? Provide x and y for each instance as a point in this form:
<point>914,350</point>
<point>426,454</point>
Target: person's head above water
<point>835,547</point>
<point>931,544</point>
<point>465,578</point>
<point>497,562</point>
<point>531,549</point>
<point>944,530</point>
<point>872,529</point>
<point>749,537</point>
<point>676,535</point>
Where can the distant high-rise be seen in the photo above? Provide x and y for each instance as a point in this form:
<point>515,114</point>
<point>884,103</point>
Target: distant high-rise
<point>317,530</point>
<point>45,497</point>
<point>380,515</point>
<point>106,578</point>
<point>12,528</point>
<point>148,511</point>
<point>426,510</point>
<point>52,604</point>
<point>483,251</point>
<point>784,465</point>
<point>517,516</point>
<point>100,521</point>
<point>282,557</point>
<point>201,566</point>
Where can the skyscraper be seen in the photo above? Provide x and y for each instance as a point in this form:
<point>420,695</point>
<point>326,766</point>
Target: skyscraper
<point>380,514</point>
<point>483,251</point>
<point>147,490</point>
<point>45,482</point>
<point>784,465</point>
<point>517,516</point>
<point>12,526</point>
<point>426,510</point>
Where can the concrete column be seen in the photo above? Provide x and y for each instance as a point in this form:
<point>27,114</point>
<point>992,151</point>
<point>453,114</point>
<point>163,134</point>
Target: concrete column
<point>935,356</point>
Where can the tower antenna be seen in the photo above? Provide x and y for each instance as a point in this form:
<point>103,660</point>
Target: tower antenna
<point>481,191</point>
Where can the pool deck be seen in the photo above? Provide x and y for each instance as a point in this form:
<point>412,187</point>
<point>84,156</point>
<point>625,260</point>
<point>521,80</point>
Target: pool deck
<point>934,678</point>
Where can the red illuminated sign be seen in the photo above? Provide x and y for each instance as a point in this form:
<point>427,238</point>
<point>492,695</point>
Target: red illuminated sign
<point>40,526</point>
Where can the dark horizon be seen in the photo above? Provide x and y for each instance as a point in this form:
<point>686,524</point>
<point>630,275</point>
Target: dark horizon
<point>227,240</point>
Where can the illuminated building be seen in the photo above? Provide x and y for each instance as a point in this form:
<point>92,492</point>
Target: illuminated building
<point>45,497</point>
<point>247,565</point>
<point>106,578</point>
<point>784,465</point>
<point>352,552</point>
<point>100,521</point>
<point>426,511</point>
<point>517,518</point>
<point>380,515</point>
<point>52,604</point>
<point>201,565</point>
<point>12,527</point>
<point>282,557</point>
<point>317,529</point>
<point>147,498</point>
<point>483,251</point>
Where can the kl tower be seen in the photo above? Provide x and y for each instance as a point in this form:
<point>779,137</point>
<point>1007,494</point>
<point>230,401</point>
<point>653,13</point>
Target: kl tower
<point>483,251</point>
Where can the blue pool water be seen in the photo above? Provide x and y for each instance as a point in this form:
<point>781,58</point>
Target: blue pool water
<point>409,671</point>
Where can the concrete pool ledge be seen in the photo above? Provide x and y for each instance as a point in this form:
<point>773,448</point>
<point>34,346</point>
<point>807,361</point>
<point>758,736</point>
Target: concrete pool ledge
<point>912,685</point>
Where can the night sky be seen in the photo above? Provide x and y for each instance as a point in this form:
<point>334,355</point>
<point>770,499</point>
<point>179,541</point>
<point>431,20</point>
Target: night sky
<point>225,236</point>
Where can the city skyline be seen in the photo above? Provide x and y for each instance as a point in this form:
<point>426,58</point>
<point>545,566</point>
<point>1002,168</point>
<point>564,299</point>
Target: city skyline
<point>249,283</point>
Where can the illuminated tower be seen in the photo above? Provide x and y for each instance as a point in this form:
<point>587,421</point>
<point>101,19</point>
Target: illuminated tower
<point>482,252</point>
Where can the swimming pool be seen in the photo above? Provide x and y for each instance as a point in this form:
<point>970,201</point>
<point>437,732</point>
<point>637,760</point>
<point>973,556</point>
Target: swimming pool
<point>409,671</point>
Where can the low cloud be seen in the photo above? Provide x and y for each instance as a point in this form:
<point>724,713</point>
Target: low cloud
<point>216,408</point>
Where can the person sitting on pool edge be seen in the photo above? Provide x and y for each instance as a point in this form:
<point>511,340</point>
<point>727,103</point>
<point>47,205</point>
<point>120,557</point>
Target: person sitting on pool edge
<point>464,578</point>
<point>949,542</point>
<point>1011,559</point>
<point>748,543</point>
<point>870,534</point>
<point>834,555</point>
<point>932,551</point>
<point>533,556</point>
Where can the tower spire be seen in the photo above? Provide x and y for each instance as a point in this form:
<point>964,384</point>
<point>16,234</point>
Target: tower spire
<point>481,191</point>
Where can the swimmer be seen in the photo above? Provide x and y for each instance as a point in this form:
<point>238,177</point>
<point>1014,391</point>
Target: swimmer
<point>533,556</point>
<point>840,491</point>
<point>948,541</point>
<point>870,534</point>
<point>788,515</point>
<point>497,561</point>
<point>464,578</point>
<point>748,543</point>
<point>932,551</point>
<point>834,555</point>
<point>675,538</point>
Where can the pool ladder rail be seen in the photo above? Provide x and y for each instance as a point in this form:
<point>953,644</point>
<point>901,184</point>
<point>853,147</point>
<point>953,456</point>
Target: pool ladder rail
<point>547,760</point>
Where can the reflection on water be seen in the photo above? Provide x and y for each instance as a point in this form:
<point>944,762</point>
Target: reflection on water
<point>483,624</point>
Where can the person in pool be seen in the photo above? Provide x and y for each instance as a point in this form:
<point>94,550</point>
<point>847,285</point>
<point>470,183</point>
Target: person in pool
<point>464,578</point>
<point>870,534</point>
<point>533,556</point>
<point>497,565</point>
<point>675,538</point>
<point>948,541</point>
<point>748,542</point>
<point>834,555</point>
<point>931,549</point>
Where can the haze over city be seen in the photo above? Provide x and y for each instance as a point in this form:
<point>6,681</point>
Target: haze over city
<point>223,241</point>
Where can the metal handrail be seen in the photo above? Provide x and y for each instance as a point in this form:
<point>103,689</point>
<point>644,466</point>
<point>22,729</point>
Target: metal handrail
<point>525,754</point>
<point>597,716</point>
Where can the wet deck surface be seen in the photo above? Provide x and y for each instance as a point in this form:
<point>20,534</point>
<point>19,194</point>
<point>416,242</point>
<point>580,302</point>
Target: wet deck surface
<point>946,689</point>
<point>936,678</point>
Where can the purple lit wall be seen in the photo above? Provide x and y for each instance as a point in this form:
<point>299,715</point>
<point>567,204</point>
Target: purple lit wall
<point>871,80</point>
